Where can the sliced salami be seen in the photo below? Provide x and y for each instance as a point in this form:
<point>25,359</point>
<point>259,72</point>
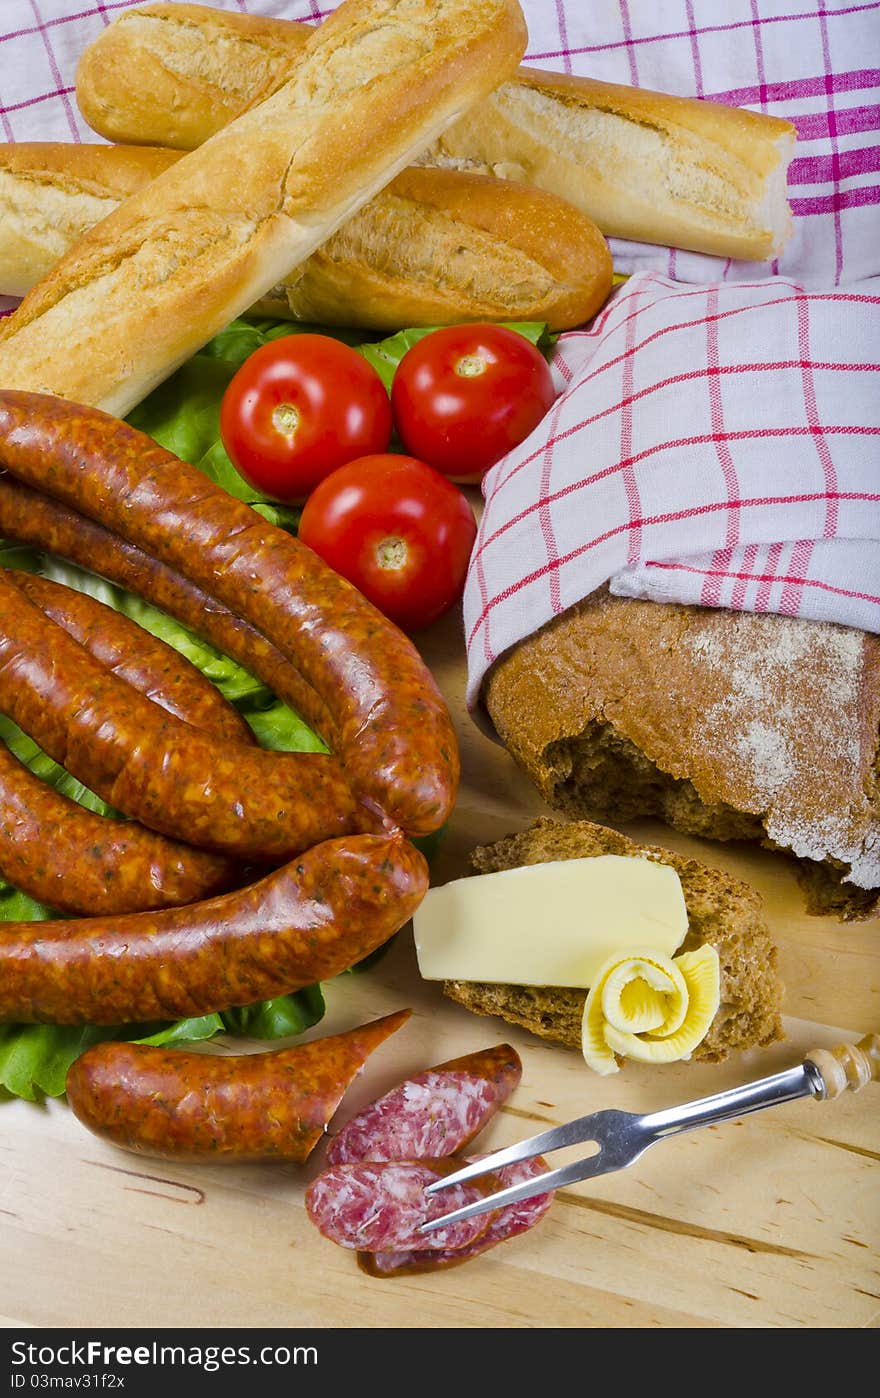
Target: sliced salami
<point>379,1206</point>
<point>437,1113</point>
<point>506,1223</point>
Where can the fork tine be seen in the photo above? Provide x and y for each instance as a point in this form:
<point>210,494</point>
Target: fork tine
<point>599,1164</point>
<point>583,1128</point>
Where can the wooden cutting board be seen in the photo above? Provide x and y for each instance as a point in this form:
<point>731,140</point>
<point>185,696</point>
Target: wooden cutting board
<point>770,1221</point>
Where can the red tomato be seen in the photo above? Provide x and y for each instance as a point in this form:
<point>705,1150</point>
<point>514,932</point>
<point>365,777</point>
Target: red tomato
<point>464,396</point>
<point>398,530</point>
<point>299,407</point>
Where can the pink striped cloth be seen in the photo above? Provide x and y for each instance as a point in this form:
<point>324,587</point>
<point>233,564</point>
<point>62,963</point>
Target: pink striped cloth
<point>715,437</point>
<point>814,62</point>
<point>715,445</point>
<point>715,441</point>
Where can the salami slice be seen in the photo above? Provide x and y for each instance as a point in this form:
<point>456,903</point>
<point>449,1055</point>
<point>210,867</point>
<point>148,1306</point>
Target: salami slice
<point>379,1206</point>
<point>506,1223</point>
<point>435,1114</point>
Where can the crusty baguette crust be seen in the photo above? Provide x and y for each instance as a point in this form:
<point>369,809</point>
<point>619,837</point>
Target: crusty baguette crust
<point>51,194</point>
<point>174,74</point>
<point>434,248</point>
<point>644,165</point>
<point>727,725</point>
<point>177,261</point>
<point>722,911</point>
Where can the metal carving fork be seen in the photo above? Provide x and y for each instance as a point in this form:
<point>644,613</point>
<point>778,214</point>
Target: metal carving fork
<point>622,1137</point>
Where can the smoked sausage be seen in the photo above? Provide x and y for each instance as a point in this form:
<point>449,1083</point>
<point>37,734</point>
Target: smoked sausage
<point>227,797</point>
<point>78,862</point>
<point>302,923</point>
<point>29,517</point>
<point>136,656</point>
<point>217,1108</point>
<point>68,857</point>
<point>394,734</point>
<point>437,1112</point>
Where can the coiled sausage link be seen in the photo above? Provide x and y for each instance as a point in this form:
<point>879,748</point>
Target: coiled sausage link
<point>68,857</point>
<point>149,665</point>
<point>81,863</point>
<point>29,517</point>
<point>226,797</point>
<point>394,733</point>
<point>302,923</point>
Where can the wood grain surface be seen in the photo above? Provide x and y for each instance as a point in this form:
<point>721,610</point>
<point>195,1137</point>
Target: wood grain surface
<point>772,1221</point>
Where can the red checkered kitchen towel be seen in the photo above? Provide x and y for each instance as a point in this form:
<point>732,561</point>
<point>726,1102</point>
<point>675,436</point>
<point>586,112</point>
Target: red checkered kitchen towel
<point>715,440</point>
<point>716,445</point>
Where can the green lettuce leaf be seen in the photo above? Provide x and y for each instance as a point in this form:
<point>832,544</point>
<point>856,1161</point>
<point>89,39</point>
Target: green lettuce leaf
<point>278,1019</point>
<point>20,907</point>
<point>279,728</point>
<point>34,1058</point>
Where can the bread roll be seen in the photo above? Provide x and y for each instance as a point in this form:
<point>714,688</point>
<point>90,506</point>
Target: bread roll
<point>727,725</point>
<point>654,168</point>
<point>434,248</point>
<point>722,912</point>
<point>152,282</point>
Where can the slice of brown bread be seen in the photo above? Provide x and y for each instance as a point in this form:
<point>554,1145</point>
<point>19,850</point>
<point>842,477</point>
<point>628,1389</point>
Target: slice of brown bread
<point>722,911</point>
<point>727,725</point>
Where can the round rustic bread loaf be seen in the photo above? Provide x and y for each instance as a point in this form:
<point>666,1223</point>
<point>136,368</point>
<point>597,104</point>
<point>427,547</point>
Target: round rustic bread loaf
<point>728,725</point>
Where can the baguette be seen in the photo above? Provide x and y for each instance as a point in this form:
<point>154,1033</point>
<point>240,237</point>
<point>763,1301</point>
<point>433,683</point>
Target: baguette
<point>646,166</point>
<point>52,193</point>
<point>157,278</point>
<point>643,165</point>
<point>434,248</point>
<point>726,725</point>
<point>174,74</point>
<point>722,911</point>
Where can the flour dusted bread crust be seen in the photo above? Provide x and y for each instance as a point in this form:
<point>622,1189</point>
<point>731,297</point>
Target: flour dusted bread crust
<point>727,725</point>
<point>722,912</point>
<point>152,282</point>
<point>643,165</point>
<point>435,247</point>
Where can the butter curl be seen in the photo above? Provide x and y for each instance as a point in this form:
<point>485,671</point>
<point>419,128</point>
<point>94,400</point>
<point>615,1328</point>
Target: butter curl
<point>650,1007</point>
